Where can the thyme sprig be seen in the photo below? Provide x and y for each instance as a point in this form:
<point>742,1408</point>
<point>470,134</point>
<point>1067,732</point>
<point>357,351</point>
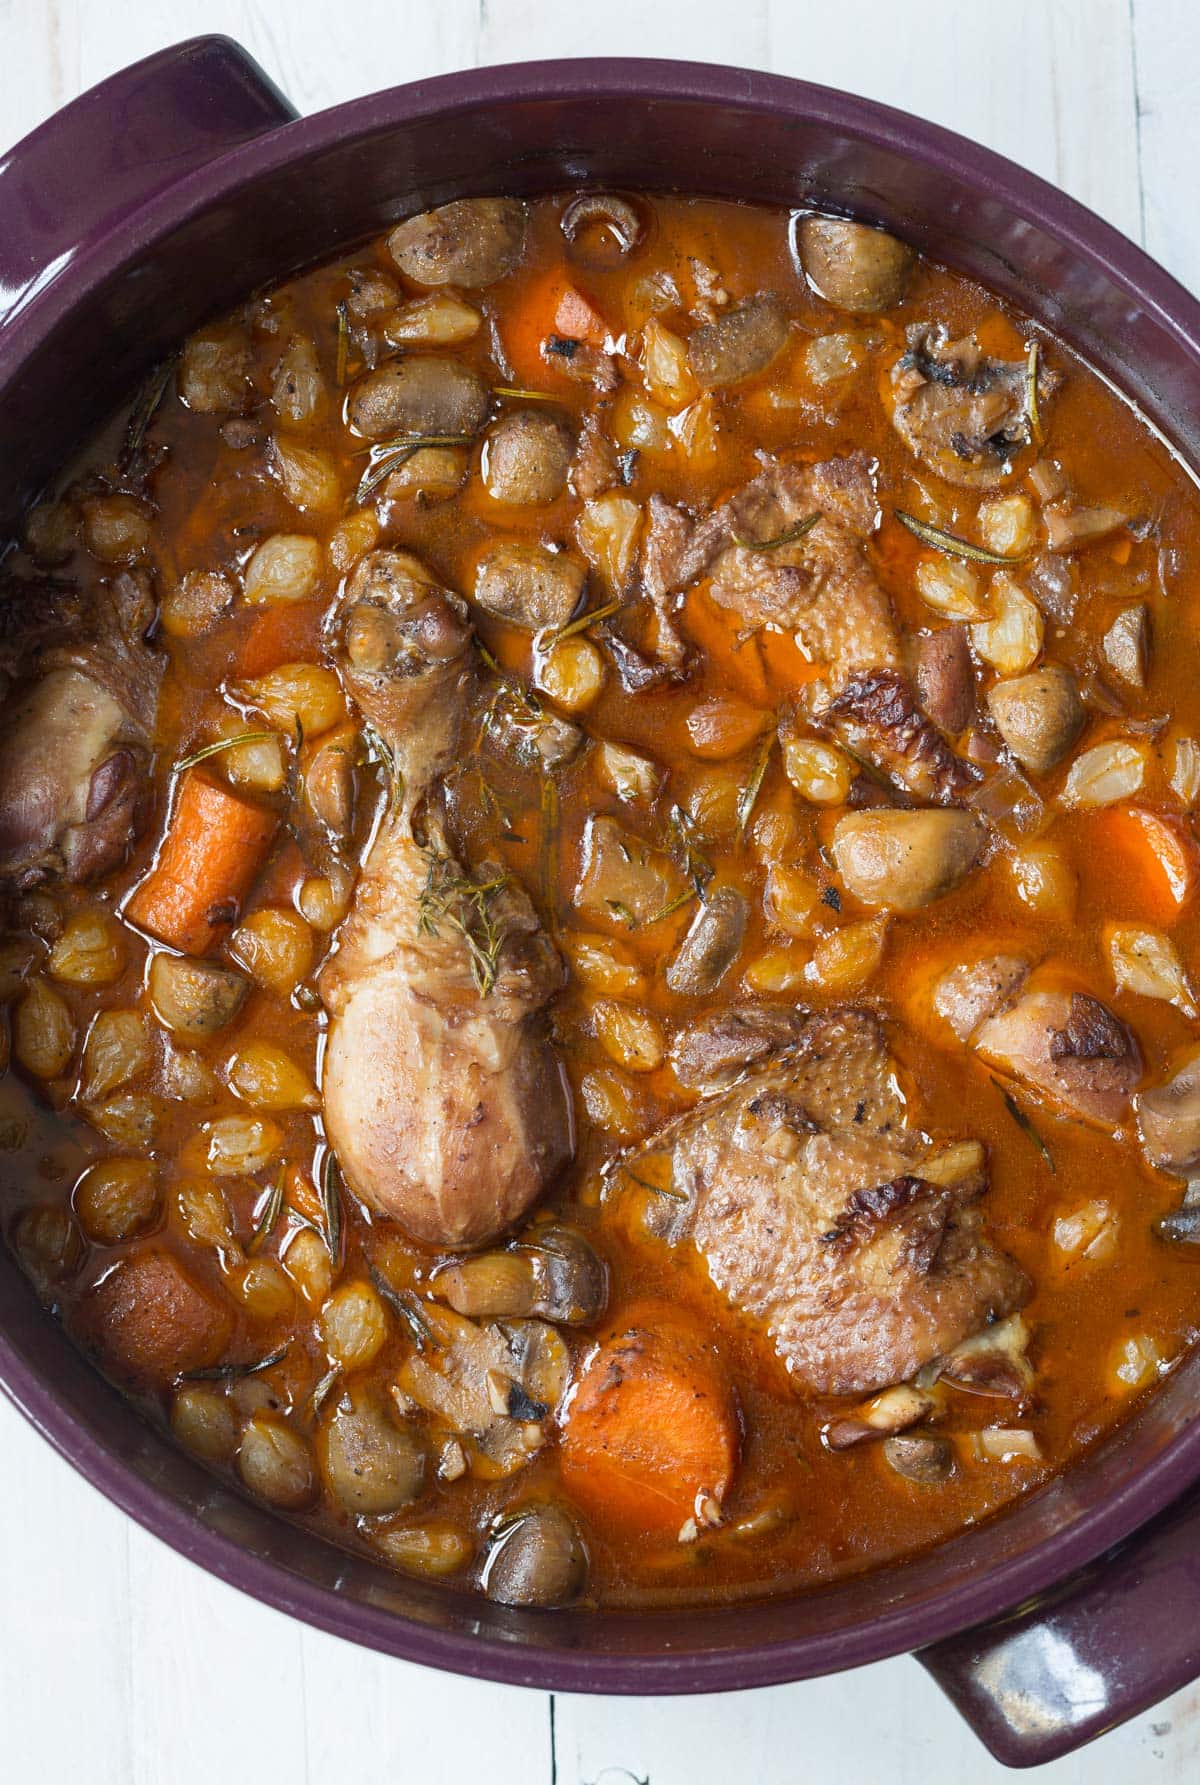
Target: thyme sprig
<point>468,906</point>
<point>753,787</point>
<point>1031,391</point>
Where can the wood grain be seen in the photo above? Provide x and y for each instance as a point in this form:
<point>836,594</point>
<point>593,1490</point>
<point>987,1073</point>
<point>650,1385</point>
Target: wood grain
<point>120,1663</point>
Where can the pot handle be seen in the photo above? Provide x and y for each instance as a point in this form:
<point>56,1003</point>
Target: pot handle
<point>1107,1644</point>
<point>103,156</point>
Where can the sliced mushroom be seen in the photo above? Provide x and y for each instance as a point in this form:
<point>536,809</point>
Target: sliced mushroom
<point>1039,716</point>
<point>597,218</point>
<point>554,1274</point>
<point>920,1457</point>
<point>963,413</point>
<point>741,342</point>
<point>1168,1118</point>
<point>902,860</point>
<point>709,1053</point>
<point>711,945</point>
<point>1127,644</point>
<point>370,1463</point>
<point>424,394</point>
<point>527,585</point>
<point>1182,1226</point>
<point>472,242</point>
<point>536,1558</point>
<point>993,1362</point>
<point>892,1411</point>
<point>945,677</point>
<point>854,265</point>
<point>526,457</point>
<point>1068,526</point>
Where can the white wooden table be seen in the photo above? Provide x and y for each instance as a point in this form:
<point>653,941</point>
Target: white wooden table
<point>121,1664</point>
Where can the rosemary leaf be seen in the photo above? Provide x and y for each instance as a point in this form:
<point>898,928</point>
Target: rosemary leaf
<point>201,755</point>
<point>390,455</point>
<point>232,1372</point>
<point>670,1192</point>
<point>144,409</point>
<point>786,538</point>
<point>320,1393</point>
<point>406,1308</point>
<point>331,1204</point>
<point>548,845</point>
<point>526,396</point>
<point>545,642</point>
<point>265,1225</point>
<point>1024,1123</point>
<point>951,545</point>
<point>343,343</point>
<point>1031,392</point>
<point>753,786</point>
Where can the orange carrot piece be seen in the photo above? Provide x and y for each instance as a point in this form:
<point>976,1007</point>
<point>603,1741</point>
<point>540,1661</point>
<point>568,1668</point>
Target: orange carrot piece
<point>1154,862</point>
<point>285,632</point>
<point>652,1431</point>
<point>215,844</point>
<point>551,305</point>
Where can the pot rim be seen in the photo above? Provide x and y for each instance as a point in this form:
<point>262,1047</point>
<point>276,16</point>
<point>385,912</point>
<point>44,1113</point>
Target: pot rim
<point>978,1595</point>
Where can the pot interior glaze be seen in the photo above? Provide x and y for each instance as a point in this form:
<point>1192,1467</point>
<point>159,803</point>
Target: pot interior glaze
<point>158,267</point>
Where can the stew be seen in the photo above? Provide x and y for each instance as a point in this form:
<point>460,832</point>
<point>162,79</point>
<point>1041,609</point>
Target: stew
<point>599,972</point>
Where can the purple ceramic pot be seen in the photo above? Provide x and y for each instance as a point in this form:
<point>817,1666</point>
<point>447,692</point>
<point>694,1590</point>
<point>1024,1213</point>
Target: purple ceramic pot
<point>166,195</point>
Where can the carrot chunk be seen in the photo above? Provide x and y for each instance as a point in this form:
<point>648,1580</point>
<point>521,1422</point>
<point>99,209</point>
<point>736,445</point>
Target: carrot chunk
<point>652,1434</point>
<point>150,1319</point>
<point>282,633</point>
<point>552,305</point>
<point>215,844</point>
<point>1153,861</point>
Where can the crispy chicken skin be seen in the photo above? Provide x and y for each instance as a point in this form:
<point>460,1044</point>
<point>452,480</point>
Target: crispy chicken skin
<point>857,1240</point>
<point>444,1099</point>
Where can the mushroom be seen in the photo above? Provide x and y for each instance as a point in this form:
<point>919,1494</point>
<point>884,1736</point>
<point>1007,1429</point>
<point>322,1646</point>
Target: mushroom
<point>945,677</point>
<point>992,1362</point>
<point>920,1457</point>
<point>906,859</point>
<point>1182,1226</point>
<point>553,1273</point>
<point>625,882</point>
<point>536,1558</point>
<point>742,341</point>
<point>423,394</point>
<point>605,218</point>
<point>854,265</point>
<point>889,1412</point>
<point>527,585</point>
<point>1038,715</point>
<point>711,944</point>
<point>472,241</point>
<point>1168,1119</point>
<point>370,1463</point>
<point>526,457</point>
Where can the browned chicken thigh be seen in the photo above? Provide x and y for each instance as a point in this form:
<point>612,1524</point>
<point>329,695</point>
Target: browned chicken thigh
<point>444,1099</point>
<point>857,1240</point>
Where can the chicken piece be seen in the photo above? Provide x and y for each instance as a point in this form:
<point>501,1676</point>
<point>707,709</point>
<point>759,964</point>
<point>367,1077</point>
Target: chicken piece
<point>962,413</point>
<point>444,1100</point>
<point>856,1240</point>
<point>876,717</point>
<point>1065,1044</point>
<point>76,743</point>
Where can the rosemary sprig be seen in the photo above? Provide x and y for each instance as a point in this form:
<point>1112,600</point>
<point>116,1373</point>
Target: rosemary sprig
<point>753,786</point>
<point>343,343</point>
<point>548,844</point>
<point>1031,392</point>
<point>390,455</point>
<point>526,396</point>
<point>1024,1123</point>
<point>951,545</point>
<point>320,1393</point>
<point>233,1372</point>
<point>331,1204</point>
<point>144,410</point>
<point>788,537</point>
<point>668,1191</point>
<point>407,1308</point>
<point>265,1225</point>
<point>207,750</point>
<point>467,906</point>
<point>546,641</point>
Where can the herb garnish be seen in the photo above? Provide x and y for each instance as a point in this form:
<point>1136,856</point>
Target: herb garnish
<point>143,411</point>
<point>331,1203</point>
<point>787,537</point>
<point>526,396</point>
<point>1024,1123</point>
<point>242,737</point>
<point>391,768</point>
<point>232,1372</point>
<point>545,642</point>
<point>753,786</point>
<point>343,343</point>
<point>265,1225</point>
<point>1031,394</point>
<point>951,545</point>
<point>390,455</point>
<point>467,906</point>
